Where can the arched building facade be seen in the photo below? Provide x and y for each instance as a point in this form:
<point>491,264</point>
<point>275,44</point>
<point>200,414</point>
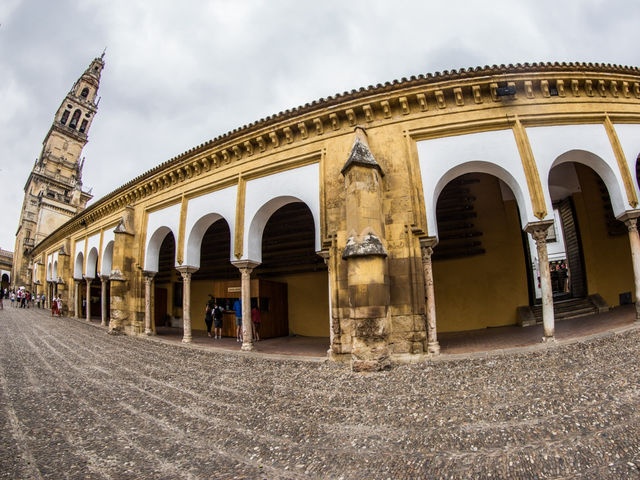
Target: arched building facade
<point>379,217</point>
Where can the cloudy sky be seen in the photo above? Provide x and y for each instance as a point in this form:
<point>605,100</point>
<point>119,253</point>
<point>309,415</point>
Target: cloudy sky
<point>180,73</point>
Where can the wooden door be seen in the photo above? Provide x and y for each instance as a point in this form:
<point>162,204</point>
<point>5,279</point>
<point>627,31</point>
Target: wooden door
<point>573,247</point>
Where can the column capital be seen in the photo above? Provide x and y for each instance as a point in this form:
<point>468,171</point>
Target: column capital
<point>148,274</point>
<point>104,278</point>
<point>186,270</point>
<point>87,279</point>
<point>245,264</point>
<point>426,247</point>
<point>324,254</point>
<point>543,226</point>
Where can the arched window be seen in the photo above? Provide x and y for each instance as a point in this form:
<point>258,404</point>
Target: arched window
<point>74,119</point>
<point>85,92</point>
<point>83,126</point>
<point>65,117</point>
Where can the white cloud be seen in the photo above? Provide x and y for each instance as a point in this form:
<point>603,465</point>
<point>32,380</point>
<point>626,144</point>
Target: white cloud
<point>180,73</point>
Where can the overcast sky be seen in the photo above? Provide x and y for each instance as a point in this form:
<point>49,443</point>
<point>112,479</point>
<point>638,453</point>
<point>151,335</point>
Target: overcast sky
<point>180,73</point>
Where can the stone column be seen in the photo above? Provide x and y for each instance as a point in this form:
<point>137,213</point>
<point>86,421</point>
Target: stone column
<point>246,267</point>
<point>538,232</point>
<point>186,272</point>
<point>103,299</point>
<point>148,282</point>
<point>88,280</point>
<point>76,298</point>
<point>334,329</point>
<point>634,241</point>
<point>426,246</point>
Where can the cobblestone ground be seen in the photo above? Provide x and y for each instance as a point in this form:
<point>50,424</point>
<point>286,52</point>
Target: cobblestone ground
<point>78,403</point>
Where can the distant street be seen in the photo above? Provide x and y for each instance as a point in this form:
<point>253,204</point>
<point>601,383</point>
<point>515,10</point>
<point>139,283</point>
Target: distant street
<point>78,403</point>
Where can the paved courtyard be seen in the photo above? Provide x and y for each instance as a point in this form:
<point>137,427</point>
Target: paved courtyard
<point>78,403</point>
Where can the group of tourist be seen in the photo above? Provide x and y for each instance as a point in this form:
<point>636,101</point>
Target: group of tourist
<point>21,298</point>
<point>213,316</point>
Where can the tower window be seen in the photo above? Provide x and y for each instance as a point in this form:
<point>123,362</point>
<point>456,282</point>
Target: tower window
<point>74,119</point>
<point>65,117</point>
<point>83,126</point>
<point>85,92</point>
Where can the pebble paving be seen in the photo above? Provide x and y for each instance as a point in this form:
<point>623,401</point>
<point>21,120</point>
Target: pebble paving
<point>78,403</point>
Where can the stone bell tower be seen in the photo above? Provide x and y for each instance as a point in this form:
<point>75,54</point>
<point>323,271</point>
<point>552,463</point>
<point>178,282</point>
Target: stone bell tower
<point>53,191</point>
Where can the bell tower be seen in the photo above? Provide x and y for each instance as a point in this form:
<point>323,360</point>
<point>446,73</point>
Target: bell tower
<point>53,191</point>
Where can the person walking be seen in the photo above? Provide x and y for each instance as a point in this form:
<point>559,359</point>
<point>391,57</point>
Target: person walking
<point>59,307</point>
<point>255,322</point>
<point>237,307</point>
<point>208,319</point>
<point>217,320</point>
<point>54,306</point>
<point>13,299</point>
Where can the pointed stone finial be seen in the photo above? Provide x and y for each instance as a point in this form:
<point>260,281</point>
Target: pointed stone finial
<point>360,153</point>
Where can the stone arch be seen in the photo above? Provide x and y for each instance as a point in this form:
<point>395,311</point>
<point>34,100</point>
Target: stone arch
<point>477,167</point>
<point>152,252</point>
<point>49,271</point>
<point>77,267</point>
<point>602,168</point>
<point>5,278</point>
<point>92,260</point>
<point>54,271</point>
<point>259,220</point>
<point>107,259</point>
<point>194,238</point>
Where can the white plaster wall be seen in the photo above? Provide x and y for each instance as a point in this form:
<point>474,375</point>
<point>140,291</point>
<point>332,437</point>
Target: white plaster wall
<point>629,136</point>
<point>107,255</point>
<point>79,249</point>
<point>571,141</point>
<point>93,249</point>
<point>167,219</point>
<point>265,195</point>
<point>201,213</point>
<point>496,153</point>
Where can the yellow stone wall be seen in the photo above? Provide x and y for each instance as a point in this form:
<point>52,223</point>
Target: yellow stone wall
<point>484,290</point>
<point>607,258</point>
<point>308,295</point>
<point>475,292</point>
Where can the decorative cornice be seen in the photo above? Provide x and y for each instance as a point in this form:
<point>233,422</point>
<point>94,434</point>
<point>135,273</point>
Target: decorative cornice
<point>424,95</point>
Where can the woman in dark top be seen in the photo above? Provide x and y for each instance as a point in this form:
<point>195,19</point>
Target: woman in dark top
<point>217,318</point>
<point>208,319</point>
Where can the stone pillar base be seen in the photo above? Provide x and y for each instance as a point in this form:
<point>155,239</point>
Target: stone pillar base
<point>247,346</point>
<point>115,331</point>
<point>433,348</point>
<point>548,339</point>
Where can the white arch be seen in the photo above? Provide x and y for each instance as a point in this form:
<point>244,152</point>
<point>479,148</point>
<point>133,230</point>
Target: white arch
<point>77,267</point>
<point>601,167</point>
<point>586,144</point>
<point>265,195</point>
<point>629,136</point>
<point>159,224</point>
<point>202,212</point>
<point>478,167</point>
<point>259,221</point>
<point>54,273</point>
<point>107,259</point>
<point>152,256</point>
<point>92,259</point>
<point>194,242</point>
<point>495,153</point>
<point>49,270</point>
<point>7,273</point>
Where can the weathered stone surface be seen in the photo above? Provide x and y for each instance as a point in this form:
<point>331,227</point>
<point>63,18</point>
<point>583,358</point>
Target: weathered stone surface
<point>367,245</point>
<point>76,403</point>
